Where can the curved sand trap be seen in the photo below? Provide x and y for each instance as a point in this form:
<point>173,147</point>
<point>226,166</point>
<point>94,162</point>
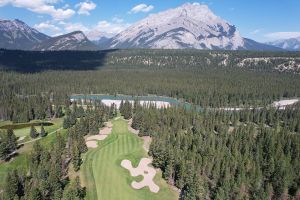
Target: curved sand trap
<point>91,142</point>
<point>96,137</point>
<point>143,169</point>
<point>105,131</point>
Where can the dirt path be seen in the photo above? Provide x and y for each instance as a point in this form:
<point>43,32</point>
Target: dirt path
<point>41,137</point>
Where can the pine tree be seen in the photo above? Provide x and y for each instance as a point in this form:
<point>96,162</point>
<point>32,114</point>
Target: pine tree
<point>43,132</point>
<point>59,113</point>
<point>82,145</point>
<point>12,140</point>
<point>76,160</point>
<point>8,143</point>
<point>66,123</point>
<point>33,132</point>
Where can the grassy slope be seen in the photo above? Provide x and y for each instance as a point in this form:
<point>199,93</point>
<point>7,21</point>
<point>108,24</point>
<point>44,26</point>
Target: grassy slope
<point>103,175</point>
<point>20,162</point>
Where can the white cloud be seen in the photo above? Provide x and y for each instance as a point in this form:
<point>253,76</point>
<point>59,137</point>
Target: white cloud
<point>66,6</point>
<point>141,8</point>
<point>93,32</point>
<point>47,26</point>
<point>117,20</point>
<point>70,27</point>
<point>106,28</point>
<point>85,7</point>
<point>111,27</point>
<point>41,7</point>
<point>102,28</point>
<point>282,35</point>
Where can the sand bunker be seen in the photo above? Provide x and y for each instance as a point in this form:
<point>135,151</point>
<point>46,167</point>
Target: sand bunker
<point>96,137</point>
<point>108,124</point>
<point>143,169</point>
<point>105,131</point>
<point>91,142</point>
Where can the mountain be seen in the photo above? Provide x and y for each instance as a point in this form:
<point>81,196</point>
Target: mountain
<point>292,44</point>
<point>71,41</point>
<point>188,26</point>
<point>15,34</point>
<point>252,45</point>
<point>98,37</point>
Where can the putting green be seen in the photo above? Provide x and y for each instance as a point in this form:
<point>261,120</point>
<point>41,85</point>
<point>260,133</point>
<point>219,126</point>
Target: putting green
<point>103,176</point>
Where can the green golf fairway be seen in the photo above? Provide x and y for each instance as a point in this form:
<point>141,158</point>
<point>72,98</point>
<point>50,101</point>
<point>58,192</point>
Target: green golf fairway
<point>105,179</point>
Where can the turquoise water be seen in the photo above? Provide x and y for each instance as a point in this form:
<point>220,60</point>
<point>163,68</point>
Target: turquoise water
<point>172,101</point>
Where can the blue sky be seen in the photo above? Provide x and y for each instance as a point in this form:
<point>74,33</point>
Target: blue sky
<point>262,20</point>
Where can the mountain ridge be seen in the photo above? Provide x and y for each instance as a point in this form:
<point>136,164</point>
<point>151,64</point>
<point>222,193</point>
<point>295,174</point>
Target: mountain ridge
<point>188,26</point>
<point>75,41</point>
<point>291,44</point>
<point>16,34</point>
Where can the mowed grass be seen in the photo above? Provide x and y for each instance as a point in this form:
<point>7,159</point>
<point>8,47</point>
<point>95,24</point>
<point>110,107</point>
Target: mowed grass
<point>105,179</point>
<point>25,132</point>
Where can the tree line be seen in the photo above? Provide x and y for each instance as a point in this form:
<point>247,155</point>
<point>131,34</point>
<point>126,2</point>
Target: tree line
<point>253,154</point>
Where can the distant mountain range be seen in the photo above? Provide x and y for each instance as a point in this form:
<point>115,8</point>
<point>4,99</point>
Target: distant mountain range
<point>292,44</point>
<point>188,26</point>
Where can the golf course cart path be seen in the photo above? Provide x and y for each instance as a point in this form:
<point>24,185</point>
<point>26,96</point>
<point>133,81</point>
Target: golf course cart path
<point>41,137</point>
<point>145,170</point>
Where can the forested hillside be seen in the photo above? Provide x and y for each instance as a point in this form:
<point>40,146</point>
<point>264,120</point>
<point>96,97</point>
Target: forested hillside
<point>34,61</point>
<point>254,154</point>
<point>181,74</point>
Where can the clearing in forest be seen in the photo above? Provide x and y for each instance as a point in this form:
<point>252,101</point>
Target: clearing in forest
<point>105,178</point>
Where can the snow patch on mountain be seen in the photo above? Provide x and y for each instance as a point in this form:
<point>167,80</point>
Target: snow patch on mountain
<point>15,34</point>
